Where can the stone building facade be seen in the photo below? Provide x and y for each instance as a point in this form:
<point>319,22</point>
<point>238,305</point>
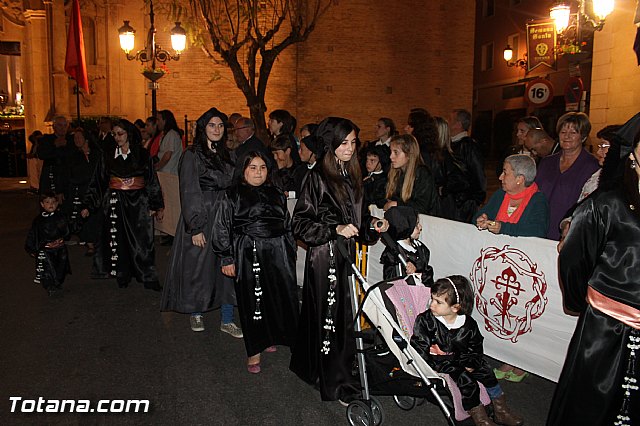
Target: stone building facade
<point>365,59</point>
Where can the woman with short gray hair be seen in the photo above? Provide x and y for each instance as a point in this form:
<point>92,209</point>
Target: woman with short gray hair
<point>518,209</point>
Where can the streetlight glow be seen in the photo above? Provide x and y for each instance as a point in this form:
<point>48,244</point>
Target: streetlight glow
<point>560,14</point>
<point>178,38</point>
<point>127,37</point>
<point>602,8</point>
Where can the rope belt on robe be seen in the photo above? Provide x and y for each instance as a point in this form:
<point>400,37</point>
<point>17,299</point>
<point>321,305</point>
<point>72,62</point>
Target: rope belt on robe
<point>126,184</point>
<point>631,317</point>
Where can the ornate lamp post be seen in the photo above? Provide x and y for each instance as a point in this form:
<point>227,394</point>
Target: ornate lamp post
<point>152,52</point>
<point>573,28</point>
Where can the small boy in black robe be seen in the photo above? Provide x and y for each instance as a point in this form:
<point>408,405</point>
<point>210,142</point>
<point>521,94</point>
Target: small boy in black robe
<point>404,228</point>
<point>374,185</point>
<point>45,242</point>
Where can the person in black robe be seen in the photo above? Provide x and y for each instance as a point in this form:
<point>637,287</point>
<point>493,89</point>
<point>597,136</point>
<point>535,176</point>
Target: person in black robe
<point>375,183</point>
<point>195,283</point>
<point>284,175</point>
<point>310,151</point>
<point>126,189</point>
<point>45,242</point>
<point>54,151</point>
<point>403,226</point>
<point>449,340</point>
<point>328,212</point>
<point>252,233</point>
<point>81,166</point>
<point>599,266</point>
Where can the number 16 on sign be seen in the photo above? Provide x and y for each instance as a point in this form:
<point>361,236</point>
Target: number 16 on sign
<point>539,92</point>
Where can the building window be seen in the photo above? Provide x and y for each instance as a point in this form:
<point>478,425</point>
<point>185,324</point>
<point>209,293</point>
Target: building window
<point>488,8</point>
<point>89,35</point>
<point>487,57</point>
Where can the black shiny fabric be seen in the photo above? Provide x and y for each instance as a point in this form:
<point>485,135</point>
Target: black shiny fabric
<point>248,215</point>
<point>194,281</point>
<point>54,173</point>
<point>46,229</point>
<point>374,188</point>
<point>463,349</point>
<point>466,181</point>
<point>419,258</point>
<point>601,251</point>
<point>316,215</point>
<point>134,225</point>
<point>80,171</point>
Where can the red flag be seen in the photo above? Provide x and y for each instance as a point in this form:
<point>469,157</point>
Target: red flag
<point>74,63</point>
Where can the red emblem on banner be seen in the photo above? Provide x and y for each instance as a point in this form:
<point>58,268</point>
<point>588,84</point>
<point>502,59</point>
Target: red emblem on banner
<point>509,291</point>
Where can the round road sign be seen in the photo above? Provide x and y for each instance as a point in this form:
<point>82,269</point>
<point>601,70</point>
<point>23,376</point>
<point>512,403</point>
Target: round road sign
<point>539,92</point>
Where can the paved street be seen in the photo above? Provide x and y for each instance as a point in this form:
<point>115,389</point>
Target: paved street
<point>102,342</point>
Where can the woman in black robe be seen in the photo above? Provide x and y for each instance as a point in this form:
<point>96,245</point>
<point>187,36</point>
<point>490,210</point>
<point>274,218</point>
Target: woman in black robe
<point>328,209</point>
<point>81,167</point>
<point>599,266</point>
<point>195,283</point>
<point>126,188</point>
<point>253,233</point>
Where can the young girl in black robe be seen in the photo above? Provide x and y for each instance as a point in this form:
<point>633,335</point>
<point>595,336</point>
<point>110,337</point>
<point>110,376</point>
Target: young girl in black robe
<point>449,340</point>
<point>329,208</point>
<point>45,242</point>
<point>404,228</point>
<point>375,184</point>
<point>252,235</point>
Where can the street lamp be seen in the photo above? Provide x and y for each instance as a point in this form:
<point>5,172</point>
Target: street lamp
<point>507,54</point>
<point>152,52</point>
<point>573,28</point>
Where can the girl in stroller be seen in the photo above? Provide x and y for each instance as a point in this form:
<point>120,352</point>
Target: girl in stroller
<point>450,342</point>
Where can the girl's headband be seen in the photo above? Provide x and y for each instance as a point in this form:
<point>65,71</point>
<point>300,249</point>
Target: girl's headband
<point>454,289</point>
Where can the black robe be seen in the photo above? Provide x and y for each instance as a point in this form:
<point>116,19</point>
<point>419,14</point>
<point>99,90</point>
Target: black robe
<point>126,249</point>
<point>465,179</point>
<point>54,175</point>
<point>420,259</point>
<point>52,264</point>
<point>600,251</point>
<point>374,188</point>
<point>249,217</point>
<point>194,281</point>
<point>316,215</point>
<point>80,171</point>
<point>423,197</point>
<point>462,348</point>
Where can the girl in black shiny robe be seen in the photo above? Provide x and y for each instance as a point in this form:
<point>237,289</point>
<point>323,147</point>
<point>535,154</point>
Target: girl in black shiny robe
<point>252,233</point>
<point>126,188</point>
<point>599,266</point>
<point>328,209</point>
<point>195,283</point>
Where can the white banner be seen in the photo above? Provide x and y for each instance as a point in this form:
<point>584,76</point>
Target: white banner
<point>518,303</point>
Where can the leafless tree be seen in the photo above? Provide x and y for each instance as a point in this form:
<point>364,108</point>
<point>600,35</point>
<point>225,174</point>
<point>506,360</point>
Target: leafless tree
<point>247,36</point>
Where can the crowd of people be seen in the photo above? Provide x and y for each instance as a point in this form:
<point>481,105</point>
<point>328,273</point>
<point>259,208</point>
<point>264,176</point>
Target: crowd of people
<point>234,223</point>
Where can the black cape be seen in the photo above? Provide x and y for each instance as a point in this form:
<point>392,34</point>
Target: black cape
<point>249,217</point>
<point>52,264</point>
<point>126,249</point>
<point>423,197</point>
<point>601,251</point>
<point>194,281</point>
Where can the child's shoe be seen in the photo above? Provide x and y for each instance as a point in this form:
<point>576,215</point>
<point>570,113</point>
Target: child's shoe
<point>480,417</point>
<point>510,376</point>
<point>502,415</point>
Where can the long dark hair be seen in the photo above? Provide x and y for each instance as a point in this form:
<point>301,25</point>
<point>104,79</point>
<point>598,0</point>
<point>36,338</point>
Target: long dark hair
<point>169,121</point>
<point>424,130</point>
<point>219,149</point>
<point>133,133</point>
<point>332,139</point>
<point>630,177</point>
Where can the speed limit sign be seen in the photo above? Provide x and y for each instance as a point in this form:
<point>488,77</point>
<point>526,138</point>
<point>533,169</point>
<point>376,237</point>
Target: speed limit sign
<point>539,92</point>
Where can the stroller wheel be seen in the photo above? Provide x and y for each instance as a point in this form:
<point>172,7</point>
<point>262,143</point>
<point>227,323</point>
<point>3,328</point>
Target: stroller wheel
<point>377,411</point>
<point>359,414</point>
<point>405,402</point>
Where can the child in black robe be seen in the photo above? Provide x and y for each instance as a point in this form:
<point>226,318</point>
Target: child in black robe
<point>403,226</point>
<point>45,242</point>
<point>450,341</point>
<point>375,183</point>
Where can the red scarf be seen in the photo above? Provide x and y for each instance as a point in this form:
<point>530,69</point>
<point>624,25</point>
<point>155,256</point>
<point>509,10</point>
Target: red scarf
<point>525,196</point>
<point>154,146</point>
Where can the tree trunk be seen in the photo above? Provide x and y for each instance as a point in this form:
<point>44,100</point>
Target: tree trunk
<point>257,111</point>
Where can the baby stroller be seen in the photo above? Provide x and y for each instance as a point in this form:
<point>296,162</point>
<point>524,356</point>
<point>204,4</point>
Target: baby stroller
<point>393,367</point>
